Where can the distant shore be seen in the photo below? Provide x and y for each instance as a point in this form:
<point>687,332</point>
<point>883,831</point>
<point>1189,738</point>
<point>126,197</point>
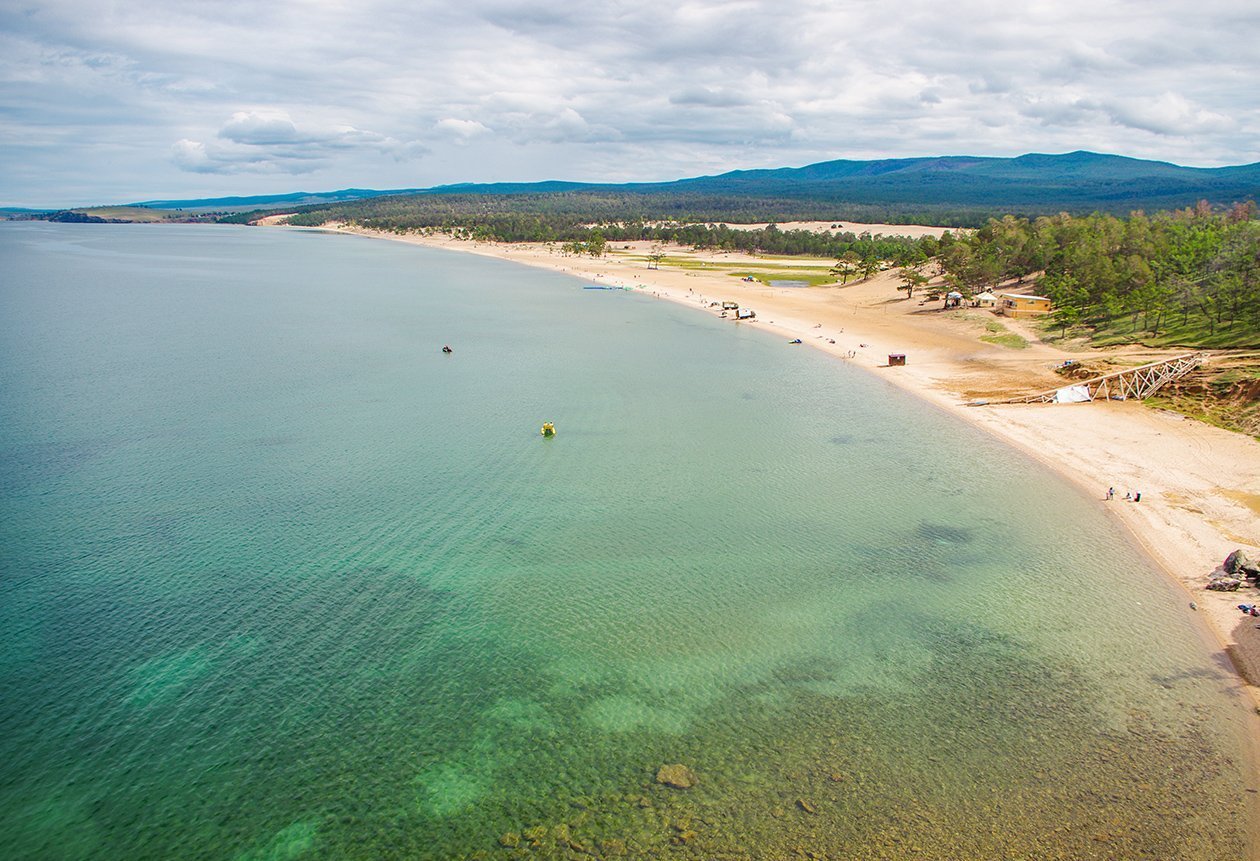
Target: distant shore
<point>1200,485</point>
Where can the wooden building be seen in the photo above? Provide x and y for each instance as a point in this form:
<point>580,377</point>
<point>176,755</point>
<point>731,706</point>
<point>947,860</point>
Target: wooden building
<point>1023,305</point>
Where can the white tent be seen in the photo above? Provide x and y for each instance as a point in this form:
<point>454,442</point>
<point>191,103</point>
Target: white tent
<point>1072,395</point>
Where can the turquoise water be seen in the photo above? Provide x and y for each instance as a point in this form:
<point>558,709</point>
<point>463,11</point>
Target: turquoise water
<point>280,580</point>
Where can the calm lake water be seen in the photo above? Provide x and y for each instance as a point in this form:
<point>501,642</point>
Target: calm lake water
<point>280,580</point>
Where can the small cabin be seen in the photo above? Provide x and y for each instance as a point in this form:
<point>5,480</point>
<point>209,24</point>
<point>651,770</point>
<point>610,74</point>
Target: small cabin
<point>745,314</point>
<point>896,359</point>
<point>1023,305</point>
<point>730,306</point>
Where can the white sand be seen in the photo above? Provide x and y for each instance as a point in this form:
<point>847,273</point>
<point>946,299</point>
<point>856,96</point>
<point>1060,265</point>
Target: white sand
<point>912,230</point>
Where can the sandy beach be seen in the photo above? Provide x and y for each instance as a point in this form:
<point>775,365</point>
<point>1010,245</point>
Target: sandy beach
<point>1199,485</point>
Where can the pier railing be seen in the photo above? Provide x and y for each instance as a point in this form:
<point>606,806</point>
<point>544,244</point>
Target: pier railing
<point>1140,382</point>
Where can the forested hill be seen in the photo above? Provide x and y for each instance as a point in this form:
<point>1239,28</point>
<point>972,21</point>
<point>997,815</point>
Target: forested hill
<point>967,186</point>
<point>1078,182</point>
<point>956,190</point>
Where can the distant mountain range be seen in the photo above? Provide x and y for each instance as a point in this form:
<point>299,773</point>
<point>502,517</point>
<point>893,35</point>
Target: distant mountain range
<point>1075,182</point>
<point>273,201</point>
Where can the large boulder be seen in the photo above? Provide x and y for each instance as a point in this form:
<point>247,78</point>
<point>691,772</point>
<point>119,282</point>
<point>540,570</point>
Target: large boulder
<point>1239,564</point>
<point>1225,584</point>
<point>677,776</point>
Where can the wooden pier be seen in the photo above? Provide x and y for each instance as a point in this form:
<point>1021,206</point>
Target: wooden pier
<point>1140,382</point>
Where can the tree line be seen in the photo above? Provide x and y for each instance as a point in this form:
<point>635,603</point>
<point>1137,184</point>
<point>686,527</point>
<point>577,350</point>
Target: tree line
<point>548,217</point>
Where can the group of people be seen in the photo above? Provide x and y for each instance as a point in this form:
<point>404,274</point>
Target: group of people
<point>1128,497</point>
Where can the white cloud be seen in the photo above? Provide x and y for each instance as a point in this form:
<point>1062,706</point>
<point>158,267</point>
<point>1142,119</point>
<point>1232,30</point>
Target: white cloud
<point>1167,114</point>
<point>462,129</point>
<point>270,142</point>
<point>260,128</point>
<point>192,156</point>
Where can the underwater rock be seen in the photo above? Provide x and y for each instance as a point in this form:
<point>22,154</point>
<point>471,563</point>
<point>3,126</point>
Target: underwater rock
<point>510,839</point>
<point>613,846</point>
<point>806,806</point>
<point>676,775</point>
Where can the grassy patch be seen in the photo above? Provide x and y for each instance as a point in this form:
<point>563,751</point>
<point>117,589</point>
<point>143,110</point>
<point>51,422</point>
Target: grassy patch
<point>998,334</point>
<point>812,278</point>
<point>1195,333</point>
<point>762,273</point>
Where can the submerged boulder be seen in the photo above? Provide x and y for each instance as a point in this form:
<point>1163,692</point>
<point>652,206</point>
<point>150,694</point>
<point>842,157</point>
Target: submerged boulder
<point>676,775</point>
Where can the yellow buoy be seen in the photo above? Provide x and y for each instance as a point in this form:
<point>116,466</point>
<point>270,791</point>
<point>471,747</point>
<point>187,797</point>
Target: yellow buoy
<point>548,429</point>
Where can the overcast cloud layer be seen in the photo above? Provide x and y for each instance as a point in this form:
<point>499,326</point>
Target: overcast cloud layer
<point>141,99</point>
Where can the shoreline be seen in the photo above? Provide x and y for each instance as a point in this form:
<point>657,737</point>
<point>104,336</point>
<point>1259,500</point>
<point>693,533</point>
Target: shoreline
<point>1200,485</point>
<point>1083,443</point>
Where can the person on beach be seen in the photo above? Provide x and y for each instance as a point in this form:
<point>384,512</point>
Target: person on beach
<point>1137,497</point>
<point>1111,493</point>
<point>1128,497</point>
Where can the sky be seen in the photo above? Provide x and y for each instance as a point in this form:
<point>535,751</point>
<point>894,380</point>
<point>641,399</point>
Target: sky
<point>113,101</point>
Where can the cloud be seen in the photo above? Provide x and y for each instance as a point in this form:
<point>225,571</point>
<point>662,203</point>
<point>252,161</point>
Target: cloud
<point>269,142</point>
<point>462,129</point>
<point>1166,114</point>
<point>709,97</point>
<point>197,157</point>
<point>160,97</point>
<point>192,156</point>
<point>260,129</point>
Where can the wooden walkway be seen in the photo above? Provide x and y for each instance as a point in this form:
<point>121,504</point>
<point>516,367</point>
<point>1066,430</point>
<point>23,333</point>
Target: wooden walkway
<point>1140,382</point>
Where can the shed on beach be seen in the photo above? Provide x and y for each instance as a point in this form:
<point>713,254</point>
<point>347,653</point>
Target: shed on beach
<point>896,359</point>
<point>746,314</point>
<point>1023,305</point>
<point>730,306</point>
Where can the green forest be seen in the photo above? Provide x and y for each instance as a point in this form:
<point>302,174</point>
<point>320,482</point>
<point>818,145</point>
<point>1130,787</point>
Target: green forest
<point>1186,277</point>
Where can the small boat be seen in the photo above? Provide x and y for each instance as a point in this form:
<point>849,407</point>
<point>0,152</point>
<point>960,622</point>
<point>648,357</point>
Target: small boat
<point>548,429</point>
<point>795,341</point>
<point>446,349</point>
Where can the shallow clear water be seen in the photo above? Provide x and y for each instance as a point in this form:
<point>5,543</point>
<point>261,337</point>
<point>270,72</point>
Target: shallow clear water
<point>281,580</point>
